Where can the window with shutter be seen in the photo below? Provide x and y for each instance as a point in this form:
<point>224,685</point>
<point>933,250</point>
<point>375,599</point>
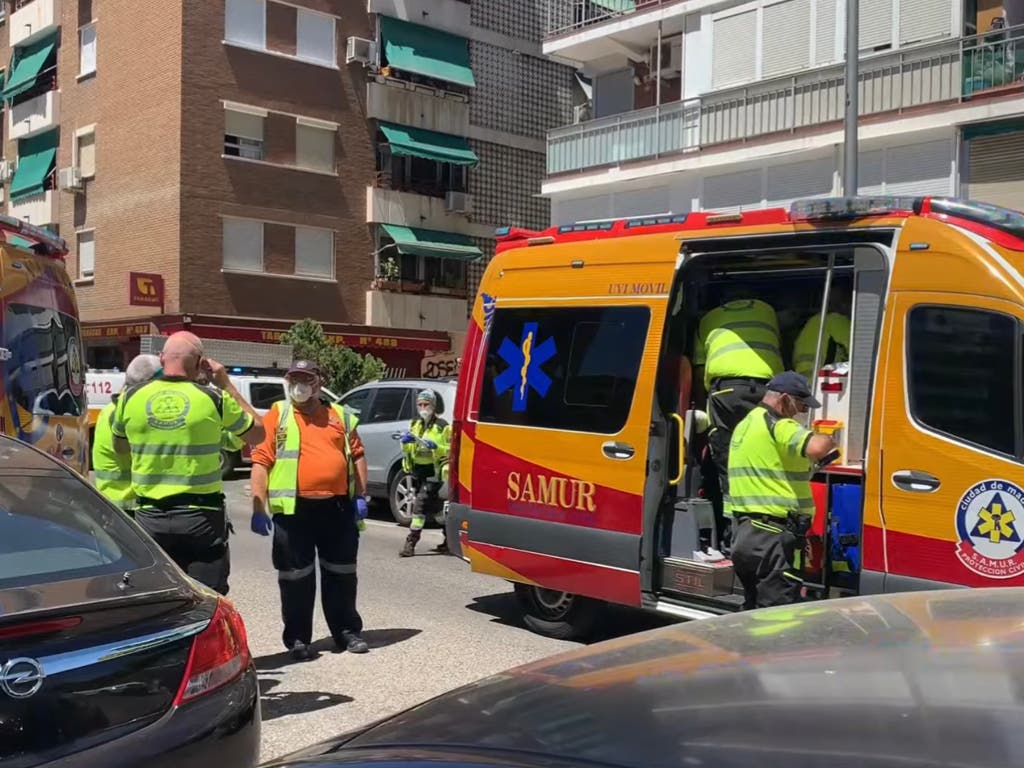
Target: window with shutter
<point>795,181</point>
<point>242,245</point>
<point>732,192</point>
<point>734,49</point>
<point>922,20</point>
<point>314,147</point>
<point>243,135</point>
<point>86,255</point>
<point>786,37</point>
<point>315,37</point>
<point>245,22</point>
<point>996,169</point>
<point>314,252</point>
<point>87,50</point>
<point>920,169</point>
<point>876,17</point>
<point>87,155</point>
<point>825,49</point>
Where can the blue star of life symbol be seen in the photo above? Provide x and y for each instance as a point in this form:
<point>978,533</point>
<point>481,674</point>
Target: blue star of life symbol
<point>524,370</point>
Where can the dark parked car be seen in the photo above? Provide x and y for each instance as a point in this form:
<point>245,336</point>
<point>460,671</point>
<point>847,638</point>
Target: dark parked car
<point>109,655</point>
<point>909,680</point>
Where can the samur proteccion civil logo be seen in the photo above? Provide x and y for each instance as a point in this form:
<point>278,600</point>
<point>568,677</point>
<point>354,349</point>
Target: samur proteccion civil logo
<point>988,524</point>
<point>167,409</point>
<point>524,372</point>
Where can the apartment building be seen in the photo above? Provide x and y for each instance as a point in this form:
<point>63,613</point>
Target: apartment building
<point>460,99</point>
<point>729,104</point>
<point>206,161</point>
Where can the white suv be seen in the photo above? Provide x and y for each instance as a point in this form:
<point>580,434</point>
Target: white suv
<point>385,410</point>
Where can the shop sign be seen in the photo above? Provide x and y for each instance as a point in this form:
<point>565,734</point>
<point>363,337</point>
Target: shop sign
<point>115,331</point>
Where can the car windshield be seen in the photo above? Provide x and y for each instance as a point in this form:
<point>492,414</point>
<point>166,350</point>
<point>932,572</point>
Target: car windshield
<point>53,527</point>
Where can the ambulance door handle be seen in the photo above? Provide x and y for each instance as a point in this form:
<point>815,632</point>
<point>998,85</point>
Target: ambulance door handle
<point>620,451</point>
<point>915,481</point>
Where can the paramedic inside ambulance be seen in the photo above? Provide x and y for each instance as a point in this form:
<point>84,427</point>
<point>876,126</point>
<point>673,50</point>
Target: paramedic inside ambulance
<point>771,460</point>
<point>835,337</point>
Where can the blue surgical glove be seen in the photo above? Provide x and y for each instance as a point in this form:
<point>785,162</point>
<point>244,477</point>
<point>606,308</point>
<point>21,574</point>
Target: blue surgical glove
<point>429,445</point>
<point>408,437</point>
<point>362,510</point>
<point>261,523</point>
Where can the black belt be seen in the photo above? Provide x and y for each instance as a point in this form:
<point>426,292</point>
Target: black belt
<point>737,380</point>
<point>777,519</point>
<point>183,501</point>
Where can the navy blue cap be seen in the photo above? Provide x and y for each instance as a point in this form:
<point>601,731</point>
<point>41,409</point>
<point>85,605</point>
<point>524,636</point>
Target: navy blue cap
<point>793,384</point>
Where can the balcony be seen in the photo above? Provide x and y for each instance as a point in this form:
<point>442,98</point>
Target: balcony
<point>408,103</point>
<point>32,20</point>
<point>41,210</point>
<point>416,307</point>
<point>416,209</point>
<point>34,115</point>
<point>948,72</point>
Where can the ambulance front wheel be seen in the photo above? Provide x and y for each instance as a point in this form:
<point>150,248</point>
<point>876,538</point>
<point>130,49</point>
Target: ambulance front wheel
<point>560,615</point>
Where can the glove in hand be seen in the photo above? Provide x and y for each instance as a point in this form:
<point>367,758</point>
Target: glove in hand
<point>261,523</point>
<point>429,445</point>
<point>362,510</point>
<point>408,437</point>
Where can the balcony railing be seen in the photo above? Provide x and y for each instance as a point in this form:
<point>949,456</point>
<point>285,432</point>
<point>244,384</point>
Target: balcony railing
<point>564,16</point>
<point>949,71</point>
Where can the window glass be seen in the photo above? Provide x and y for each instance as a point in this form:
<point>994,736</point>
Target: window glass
<point>56,529</point>
<point>87,50</point>
<point>86,255</point>
<point>357,401</point>
<point>245,22</point>
<point>566,368</point>
<point>263,394</point>
<point>87,155</point>
<point>314,147</point>
<point>315,37</point>
<point>314,252</point>
<point>972,399</point>
<point>44,373</point>
<point>243,245</point>
<point>387,405</point>
<point>243,135</point>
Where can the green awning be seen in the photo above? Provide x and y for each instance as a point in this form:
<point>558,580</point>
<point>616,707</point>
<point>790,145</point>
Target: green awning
<point>430,242</point>
<point>418,142</point>
<point>27,64</point>
<point>36,158</point>
<point>426,51</point>
<point>616,6</point>
<point>978,130</point>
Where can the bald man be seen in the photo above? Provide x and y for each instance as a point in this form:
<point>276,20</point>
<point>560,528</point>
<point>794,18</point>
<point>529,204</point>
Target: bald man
<point>173,427</point>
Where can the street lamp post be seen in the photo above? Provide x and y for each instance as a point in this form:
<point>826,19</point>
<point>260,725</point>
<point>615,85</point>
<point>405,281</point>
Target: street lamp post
<point>850,185</point>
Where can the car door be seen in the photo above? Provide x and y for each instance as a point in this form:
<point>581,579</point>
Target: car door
<point>952,478</point>
<point>388,414</point>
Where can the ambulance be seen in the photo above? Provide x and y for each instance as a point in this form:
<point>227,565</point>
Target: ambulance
<point>577,447</point>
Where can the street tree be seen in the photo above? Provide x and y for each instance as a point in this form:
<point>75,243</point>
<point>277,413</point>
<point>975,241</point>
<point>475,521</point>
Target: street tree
<point>343,368</point>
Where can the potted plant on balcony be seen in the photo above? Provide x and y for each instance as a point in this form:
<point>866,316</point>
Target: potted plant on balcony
<point>387,275</point>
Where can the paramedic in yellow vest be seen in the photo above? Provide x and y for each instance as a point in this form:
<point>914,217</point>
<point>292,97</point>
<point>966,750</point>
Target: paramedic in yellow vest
<point>771,460</point>
<point>835,338</point>
<point>113,470</point>
<point>736,351</point>
<point>426,445</point>
<point>308,477</point>
<point>172,427</point>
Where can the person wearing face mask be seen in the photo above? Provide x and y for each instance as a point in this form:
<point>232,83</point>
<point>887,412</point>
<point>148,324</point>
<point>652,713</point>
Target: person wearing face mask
<point>172,426</point>
<point>426,445</point>
<point>771,459</point>
<point>308,480</point>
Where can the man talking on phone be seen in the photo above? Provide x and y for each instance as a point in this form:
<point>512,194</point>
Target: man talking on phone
<point>173,427</point>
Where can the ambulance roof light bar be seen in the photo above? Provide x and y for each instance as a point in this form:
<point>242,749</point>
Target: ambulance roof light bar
<point>852,207</point>
<point>51,244</point>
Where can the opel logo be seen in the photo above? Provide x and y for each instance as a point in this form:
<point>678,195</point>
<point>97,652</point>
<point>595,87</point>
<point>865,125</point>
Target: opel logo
<point>21,678</point>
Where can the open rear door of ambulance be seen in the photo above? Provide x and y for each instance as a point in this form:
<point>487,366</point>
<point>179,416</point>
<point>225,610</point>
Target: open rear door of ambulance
<point>949,434</point>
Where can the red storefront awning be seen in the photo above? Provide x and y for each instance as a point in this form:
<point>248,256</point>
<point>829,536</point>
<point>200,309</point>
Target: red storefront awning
<point>115,331</point>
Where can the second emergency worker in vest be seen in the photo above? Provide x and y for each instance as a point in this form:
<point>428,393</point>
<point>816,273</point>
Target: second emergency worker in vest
<point>113,470</point>
<point>835,338</point>
<point>771,460</point>
<point>173,428</point>
<point>426,445</point>
<point>309,474</point>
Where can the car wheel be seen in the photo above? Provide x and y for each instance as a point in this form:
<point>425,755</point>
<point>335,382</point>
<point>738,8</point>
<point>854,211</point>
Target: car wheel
<point>228,461</point>
<point>560,615</point>
<point>401,496</point>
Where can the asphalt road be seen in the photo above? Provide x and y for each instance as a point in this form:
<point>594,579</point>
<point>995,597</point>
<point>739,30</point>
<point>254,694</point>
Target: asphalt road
<point>432,625</point>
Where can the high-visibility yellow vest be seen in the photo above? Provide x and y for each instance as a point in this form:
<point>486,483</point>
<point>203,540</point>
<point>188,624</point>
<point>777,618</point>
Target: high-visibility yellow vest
<point>113,470</point>
<point>836,331</point>
<point>440,432</point>
<point>283,483</point>
<point>174,428</point>
<point>769,472</point>
<point>737,340</point>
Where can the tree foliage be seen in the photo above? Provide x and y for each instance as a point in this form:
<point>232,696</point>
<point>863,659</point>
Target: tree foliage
<point>342,367</point>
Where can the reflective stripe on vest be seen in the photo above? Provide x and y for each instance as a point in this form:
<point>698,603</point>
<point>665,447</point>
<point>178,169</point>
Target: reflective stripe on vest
<point>282,485</point>
<point>764,479</point>
<point>837,331</point>
<point>113,470</point>
<point>439,432</point>
<point>741,339</point>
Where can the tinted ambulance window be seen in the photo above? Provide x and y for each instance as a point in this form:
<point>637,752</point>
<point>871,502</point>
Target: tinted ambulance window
<point>962,374</point>
<point>572,368</point>
<point>265,393</point>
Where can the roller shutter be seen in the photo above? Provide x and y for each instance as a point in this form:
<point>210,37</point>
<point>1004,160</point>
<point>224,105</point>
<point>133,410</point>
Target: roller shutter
<point>734,49</point>
<point>876,18</point>
<point>996,170</point>
<point>786,37</point>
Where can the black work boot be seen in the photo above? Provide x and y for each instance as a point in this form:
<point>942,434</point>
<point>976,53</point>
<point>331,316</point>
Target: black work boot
<point>410,545</point>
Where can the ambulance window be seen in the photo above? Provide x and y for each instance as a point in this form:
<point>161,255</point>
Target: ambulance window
<point>973,400</point>
<point>44,373</point>
<point>570,368</point>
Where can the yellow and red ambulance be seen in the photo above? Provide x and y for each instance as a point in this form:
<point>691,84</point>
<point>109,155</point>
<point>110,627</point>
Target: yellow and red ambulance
<point>576,466</point>
<point>42,360</point>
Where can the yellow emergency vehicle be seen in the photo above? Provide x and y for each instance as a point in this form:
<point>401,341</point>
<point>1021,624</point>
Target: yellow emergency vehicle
<point>576,455</point>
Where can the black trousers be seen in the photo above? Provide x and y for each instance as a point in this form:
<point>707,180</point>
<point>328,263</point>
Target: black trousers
<point>763,555</point>
<point>195,539</point>
<point>323,529</point>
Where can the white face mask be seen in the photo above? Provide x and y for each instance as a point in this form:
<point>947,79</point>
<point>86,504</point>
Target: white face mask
<point>426,413</point>
<point>300,391</point>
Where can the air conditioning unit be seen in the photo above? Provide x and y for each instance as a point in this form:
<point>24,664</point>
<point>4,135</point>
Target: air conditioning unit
<point>6,171</point>
<point>581,113</point>
<point>70,179</point>
<point>671,59</point>
<point>362,50</point>
<point>458,202</point>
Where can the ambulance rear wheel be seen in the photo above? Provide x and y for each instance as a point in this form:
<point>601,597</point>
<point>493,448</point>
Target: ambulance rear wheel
<point>560,615</point>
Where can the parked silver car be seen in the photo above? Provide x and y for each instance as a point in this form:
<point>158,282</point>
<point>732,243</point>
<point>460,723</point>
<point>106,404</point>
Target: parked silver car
<point>385,409</point>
